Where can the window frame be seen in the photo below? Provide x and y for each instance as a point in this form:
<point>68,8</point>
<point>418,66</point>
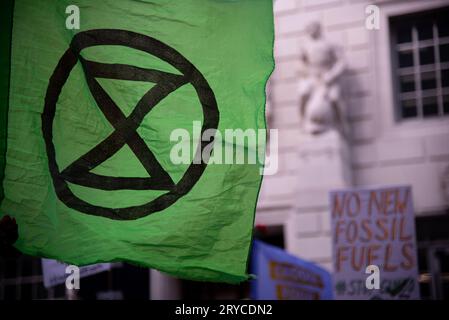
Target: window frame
<point>387,123</point>
<point>417,69</point>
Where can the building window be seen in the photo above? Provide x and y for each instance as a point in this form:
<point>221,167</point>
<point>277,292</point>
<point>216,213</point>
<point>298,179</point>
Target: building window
<point>420,54</point>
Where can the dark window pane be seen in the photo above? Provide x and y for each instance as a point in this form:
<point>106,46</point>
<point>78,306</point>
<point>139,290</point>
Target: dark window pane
<point>407,83</point>
<point>405,59</point>
<point>408,109</point>
<point>428,80</point>
<point>426,55</point>
<point>27,268</point>
<point>26,292</point>
<point>445,78</point>
<point>10,269</point>
<point>446,104</point>
<point>425,31</point>
<point>443,26</point>
<point>430,107</point>
<point>404,34</point>
<point>9,293</point>
<point>444,52</point>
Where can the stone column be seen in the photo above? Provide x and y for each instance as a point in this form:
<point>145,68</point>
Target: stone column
<point>323,164</point>
<point>164,287</point>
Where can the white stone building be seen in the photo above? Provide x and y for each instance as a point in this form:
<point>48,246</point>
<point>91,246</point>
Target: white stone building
<point>396,90</point>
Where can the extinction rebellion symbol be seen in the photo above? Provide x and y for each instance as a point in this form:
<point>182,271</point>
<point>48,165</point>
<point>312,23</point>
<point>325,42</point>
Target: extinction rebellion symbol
<point>79,172</point>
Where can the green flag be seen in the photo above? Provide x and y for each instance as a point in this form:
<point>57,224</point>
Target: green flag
<point>103,100</point>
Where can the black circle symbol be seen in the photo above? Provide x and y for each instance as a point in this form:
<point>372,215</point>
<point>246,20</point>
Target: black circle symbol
<point>125,127</point>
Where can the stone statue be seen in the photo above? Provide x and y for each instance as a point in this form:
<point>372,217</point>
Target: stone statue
<point>320,101</point>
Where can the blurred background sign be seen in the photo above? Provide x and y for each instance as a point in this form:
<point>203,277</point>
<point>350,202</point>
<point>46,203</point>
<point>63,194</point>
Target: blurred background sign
<point>282,276</point>
<point>54,272</point>
<point>374,227</point>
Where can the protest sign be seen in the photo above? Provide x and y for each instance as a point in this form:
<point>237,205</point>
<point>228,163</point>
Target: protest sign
<point>54,272</point>
<point>374,229</point>
<point>282,276</point>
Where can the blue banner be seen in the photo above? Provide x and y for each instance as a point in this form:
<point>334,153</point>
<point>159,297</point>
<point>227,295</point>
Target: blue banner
<point>282,276</point>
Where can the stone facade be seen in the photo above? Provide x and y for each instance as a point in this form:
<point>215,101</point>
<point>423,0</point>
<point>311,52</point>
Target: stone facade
<point>383,151</point>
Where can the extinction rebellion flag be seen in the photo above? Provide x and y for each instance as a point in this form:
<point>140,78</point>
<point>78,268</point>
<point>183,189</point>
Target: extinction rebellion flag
<point>92,93</point>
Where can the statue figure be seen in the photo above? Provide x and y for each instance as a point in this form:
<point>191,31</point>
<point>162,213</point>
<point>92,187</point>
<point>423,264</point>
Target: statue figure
<point>320,102</point>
